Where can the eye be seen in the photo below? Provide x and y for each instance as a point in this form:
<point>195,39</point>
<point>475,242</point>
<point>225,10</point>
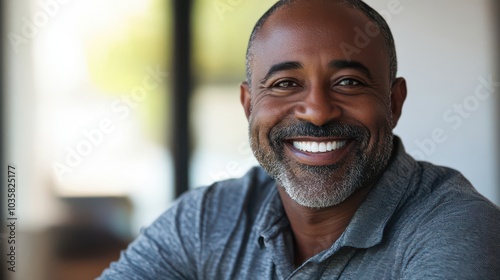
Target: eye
<point>349,82</point>
<point>350,86</point>
<point>285,85</point>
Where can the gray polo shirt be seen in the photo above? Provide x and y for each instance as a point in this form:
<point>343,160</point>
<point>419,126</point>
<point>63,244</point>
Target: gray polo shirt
<point>420,221</point>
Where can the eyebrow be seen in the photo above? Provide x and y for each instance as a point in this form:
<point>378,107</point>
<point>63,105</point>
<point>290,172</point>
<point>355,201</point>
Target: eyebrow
<point>282,66</point>
<point>335,64</point>
<point>343,64</point>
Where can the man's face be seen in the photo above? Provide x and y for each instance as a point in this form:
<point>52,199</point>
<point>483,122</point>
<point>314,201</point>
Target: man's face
<point>321,117</point>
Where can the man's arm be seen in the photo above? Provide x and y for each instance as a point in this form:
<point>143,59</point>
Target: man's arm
<point>166,249</point>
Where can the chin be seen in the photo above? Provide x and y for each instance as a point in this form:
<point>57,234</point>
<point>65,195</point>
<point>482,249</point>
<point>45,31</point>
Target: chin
<point>321,186</point>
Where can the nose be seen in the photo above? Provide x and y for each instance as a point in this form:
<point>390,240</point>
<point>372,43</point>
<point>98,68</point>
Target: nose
<point>318,107</point>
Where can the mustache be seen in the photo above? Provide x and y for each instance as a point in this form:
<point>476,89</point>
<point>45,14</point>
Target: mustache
<point>307,129</point>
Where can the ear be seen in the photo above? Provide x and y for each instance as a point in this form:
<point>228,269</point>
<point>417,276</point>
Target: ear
<point>245,98</point>
<point>398,96</point>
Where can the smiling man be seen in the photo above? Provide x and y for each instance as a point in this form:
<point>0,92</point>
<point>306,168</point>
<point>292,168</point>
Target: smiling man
<point>336,195</point>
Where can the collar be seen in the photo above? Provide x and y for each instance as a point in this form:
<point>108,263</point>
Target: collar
<point>271,218</point>
<point>368,223</point>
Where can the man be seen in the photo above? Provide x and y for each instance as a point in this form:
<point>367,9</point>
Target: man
<point>342,198</point>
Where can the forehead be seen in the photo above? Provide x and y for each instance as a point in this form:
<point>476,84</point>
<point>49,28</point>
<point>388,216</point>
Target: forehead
<point>319,31</point>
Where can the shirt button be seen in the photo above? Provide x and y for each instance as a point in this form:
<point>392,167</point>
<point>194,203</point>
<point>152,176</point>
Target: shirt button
<point>262,244</point>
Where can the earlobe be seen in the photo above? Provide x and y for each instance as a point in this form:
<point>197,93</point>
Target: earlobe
<point>398,97</point>
<point>245,98</point>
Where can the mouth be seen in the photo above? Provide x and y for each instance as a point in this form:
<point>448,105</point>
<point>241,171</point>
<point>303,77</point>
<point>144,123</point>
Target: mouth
<point>318,147</point>
<point>317,151</point>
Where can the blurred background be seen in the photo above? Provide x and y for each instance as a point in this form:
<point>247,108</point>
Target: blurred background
<point>112,108</point>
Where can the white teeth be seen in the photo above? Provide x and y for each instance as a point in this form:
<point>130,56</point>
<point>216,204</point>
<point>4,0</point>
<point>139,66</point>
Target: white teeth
<point>314,147</point>
<point>318,147</point>
<point>307,146</point>
<point>329,146</point>
<point>322,147</point>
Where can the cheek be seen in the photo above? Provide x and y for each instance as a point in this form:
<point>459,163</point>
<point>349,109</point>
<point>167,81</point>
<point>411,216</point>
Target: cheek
<point>267,113</point>
<point>372,113</point>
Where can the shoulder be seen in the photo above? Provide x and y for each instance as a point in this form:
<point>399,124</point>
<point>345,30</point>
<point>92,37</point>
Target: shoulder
<point>229,194</point>
<point>444,193</point>
<point>207,219</point>
<point>453,230</point>
<point>220,204</point>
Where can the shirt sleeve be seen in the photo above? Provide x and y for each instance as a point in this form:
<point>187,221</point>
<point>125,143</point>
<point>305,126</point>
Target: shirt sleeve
<point>167,249</point>
<point>461,244</point>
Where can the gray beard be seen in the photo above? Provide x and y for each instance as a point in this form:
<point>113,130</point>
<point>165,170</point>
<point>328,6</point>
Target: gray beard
<point>325,186</point>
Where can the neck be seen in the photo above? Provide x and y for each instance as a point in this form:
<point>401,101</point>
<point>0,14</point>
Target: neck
<point>317,229</point>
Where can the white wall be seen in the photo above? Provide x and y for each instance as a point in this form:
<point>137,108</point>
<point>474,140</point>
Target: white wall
<point>446,51</point>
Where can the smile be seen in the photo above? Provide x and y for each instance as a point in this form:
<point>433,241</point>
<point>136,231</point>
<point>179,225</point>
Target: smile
<point>318,147</point>
<point>316,151</point>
